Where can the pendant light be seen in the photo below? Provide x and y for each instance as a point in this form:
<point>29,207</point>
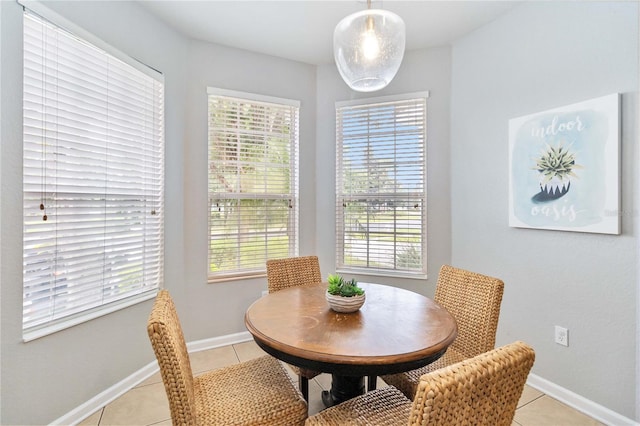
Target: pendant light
<point>368,47</point>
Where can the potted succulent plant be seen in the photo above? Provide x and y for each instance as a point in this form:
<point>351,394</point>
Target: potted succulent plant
<point>344,295</point>
<point>555,166</point>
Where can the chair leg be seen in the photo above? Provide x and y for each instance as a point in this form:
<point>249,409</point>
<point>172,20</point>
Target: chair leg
<point>303,384</point>
<point>371,382</point>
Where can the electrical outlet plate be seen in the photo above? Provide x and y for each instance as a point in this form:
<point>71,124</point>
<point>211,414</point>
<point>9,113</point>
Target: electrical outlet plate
<point>562,336</point>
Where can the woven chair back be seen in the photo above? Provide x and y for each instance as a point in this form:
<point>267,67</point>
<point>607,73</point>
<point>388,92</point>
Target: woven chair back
<point>292,271</point>
<point>474,301</point>
<point>483,390</point>
<point>170,348</point>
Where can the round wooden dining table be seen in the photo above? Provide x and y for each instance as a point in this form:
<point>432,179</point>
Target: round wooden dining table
<point>395,330</point>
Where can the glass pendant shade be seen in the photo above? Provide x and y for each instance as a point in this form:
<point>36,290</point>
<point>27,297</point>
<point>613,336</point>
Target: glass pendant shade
<point>368,47</point>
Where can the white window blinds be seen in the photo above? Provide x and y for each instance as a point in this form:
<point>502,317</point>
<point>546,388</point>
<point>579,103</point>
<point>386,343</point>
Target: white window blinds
<point>381,186</point>
<point>93,174</point>
<point>253,182</point>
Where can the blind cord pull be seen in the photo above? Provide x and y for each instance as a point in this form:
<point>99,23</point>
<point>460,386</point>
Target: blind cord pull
<point>44,216</point>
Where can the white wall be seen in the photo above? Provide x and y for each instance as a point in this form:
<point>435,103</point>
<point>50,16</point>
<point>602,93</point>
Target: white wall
<point>421,70</point>
<point>1,230</point>
<point>44,379</point>
<point>222,67</point>
<point>539,56</point>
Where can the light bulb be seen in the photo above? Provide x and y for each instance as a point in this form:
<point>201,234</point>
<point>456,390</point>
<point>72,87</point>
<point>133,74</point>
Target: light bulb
<point>370,45</point>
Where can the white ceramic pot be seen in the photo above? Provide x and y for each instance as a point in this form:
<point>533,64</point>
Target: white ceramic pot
<point>344,304</point>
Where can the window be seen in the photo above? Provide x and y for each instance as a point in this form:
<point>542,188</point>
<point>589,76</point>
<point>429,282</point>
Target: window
<point>92,180</point>
<point>381,186</point>
<point>253,182</point>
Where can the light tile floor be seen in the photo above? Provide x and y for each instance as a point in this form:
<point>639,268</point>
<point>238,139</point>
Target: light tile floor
<point>146,404</point>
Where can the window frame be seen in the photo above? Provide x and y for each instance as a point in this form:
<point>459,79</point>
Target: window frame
<point>292,196</point>
<point>146,288</point>
<point>342,195</point>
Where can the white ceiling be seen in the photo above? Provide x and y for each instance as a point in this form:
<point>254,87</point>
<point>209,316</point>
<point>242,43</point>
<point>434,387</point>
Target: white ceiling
<point>302,30</point>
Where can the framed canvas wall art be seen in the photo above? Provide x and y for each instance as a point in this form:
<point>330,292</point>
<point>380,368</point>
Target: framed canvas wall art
<point>564,168</point>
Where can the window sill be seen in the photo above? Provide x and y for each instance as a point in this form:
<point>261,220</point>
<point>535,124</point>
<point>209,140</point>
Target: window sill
<point>62,324</point>
<point>236,277</point>
<point>383,273</point>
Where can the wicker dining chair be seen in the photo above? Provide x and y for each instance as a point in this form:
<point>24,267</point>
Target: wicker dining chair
<point>291,272</point>
<point>255,392</point>
<point>483,390</point>
<point>474,301</point>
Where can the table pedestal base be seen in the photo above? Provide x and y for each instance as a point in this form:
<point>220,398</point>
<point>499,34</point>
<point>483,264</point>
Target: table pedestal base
<point>342,388</point>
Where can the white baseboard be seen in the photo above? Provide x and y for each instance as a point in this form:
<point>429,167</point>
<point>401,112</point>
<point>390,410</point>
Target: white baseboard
<point>80,413</point>
<point>83,411</point>
<point>580,403</point>
<point>216,342</point>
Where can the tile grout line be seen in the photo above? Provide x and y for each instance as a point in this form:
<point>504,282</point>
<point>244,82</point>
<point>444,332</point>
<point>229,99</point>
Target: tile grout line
<point>101,414</point>
<point>235,351</point>
<point>529,402</point>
